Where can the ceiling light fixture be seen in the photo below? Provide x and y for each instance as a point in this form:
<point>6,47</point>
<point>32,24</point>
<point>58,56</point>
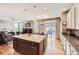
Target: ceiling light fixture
<point>45,8</point>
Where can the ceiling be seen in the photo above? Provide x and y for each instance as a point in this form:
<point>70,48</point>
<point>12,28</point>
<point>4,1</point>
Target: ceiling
<point>30,11</point>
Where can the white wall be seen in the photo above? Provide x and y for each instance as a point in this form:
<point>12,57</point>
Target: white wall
<point>58,28</point>
<point>6,25</point>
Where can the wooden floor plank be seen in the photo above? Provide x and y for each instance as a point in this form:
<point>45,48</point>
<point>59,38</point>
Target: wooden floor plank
<point>54,48</point>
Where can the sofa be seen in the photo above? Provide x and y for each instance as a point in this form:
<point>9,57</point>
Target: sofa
<point>5,38</point>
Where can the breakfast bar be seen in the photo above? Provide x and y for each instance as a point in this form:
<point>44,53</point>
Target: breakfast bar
<point>29,44</point>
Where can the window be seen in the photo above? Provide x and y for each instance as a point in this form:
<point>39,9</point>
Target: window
<point>36,27</point>
<point>18,26</point>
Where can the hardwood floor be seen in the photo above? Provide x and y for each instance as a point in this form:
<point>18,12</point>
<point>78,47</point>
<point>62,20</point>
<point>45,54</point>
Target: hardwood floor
<point>54,47</point>
<point>6,49</point>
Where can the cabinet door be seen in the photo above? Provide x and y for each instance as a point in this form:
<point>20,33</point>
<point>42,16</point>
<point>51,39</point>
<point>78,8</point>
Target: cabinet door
<point>68,48</point>
<point>64,43</point>
<point>33,50</point>
<point>69,20</point>
<point>15,44</point>
<point>72,17</point>
<point>73,51</point>
<point>77,17</point>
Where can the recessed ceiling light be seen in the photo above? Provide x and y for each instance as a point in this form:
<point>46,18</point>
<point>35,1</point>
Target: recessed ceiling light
<point>35,6</point>
<point>25,9</point>
<point>45,8</point>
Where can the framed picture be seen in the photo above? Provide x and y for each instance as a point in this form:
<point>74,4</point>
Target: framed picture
<point>27,25</point>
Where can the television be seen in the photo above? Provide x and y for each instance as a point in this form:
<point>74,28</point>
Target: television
<point>27,25</point>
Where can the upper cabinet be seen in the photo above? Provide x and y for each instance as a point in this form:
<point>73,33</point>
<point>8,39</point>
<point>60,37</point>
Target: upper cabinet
<point>71,18</point>
<point>77,17</point>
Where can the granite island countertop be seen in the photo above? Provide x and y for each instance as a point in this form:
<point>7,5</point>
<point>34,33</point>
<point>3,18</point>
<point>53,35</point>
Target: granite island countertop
<point>33,37</point>
<point>74,41</point>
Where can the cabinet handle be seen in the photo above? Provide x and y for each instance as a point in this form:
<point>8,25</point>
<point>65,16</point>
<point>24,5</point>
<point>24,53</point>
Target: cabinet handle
<point>32,43</point>
<point>32,47</point>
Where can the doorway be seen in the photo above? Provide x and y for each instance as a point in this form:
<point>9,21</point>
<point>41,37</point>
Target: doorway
<point>50,31</point>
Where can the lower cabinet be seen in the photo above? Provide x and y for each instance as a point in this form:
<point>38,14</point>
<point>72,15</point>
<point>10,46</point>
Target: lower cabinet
<point>73,51</point>
<point>68,48</point>
<point>28,48</point>
<point>64,43</point>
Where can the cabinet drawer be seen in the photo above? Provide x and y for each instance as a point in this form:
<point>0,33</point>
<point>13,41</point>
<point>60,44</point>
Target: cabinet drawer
<point>26,47</point>
<point>33,50</point>
<point>33,44</point>
<point>24,42</point>
<point>24,51</point>
<point>29,50</point>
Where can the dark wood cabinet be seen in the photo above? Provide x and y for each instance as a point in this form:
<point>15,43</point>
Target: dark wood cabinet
<point>28,47</point>
<point>15,44</point>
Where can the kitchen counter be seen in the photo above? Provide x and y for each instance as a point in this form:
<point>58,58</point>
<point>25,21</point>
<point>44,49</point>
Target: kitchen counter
<point>73,40</point>
<point>27,44</point>
<point>33,37</point>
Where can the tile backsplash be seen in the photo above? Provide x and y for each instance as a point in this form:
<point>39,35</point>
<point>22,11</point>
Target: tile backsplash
<point>74,32</point>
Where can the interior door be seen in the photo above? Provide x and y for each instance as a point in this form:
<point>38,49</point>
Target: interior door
<point>50,29</point>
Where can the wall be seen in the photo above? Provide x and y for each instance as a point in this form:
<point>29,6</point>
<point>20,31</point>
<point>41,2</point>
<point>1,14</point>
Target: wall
<point>58,28</point>
<point>42,28</point>
<point>6,25</point>
<point>32,24</point>
<point>42,24</point>
<point>63,19</point>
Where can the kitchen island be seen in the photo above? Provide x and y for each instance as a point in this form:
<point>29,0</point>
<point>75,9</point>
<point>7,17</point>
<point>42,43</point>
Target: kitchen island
<point>32,44</point>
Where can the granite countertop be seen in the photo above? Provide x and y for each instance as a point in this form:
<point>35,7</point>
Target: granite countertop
<point>73,40</point>
<point>33,37</point>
